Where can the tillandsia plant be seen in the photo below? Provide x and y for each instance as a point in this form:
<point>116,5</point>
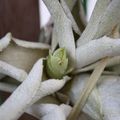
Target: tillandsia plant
<point>93,56</point>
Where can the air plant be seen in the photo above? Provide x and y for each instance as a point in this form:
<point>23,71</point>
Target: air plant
<point>92,62</point>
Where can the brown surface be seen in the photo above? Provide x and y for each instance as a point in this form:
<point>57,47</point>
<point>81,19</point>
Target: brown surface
<point>21,17</point>
<point>27,117</point>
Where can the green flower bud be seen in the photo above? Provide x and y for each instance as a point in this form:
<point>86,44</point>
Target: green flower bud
<point>57,63</point>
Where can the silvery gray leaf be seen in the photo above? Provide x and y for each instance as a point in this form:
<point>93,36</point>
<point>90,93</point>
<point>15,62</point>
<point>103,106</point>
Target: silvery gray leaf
<point>71,3</point>
<point>4,42</point>
<point>21,98</point>
<point>64,33</point>
<point>104,101</point>
<point>70,16</point>
<point>97,49</point>
<point>33,45</point>
<point>112,62</point>
<point>54,39</point>
<point>7,87</point>
<point>14,72</point>
<point>54,112</point>
<point>105,17</point>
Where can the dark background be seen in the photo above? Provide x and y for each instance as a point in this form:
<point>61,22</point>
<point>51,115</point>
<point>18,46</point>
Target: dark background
<point>21,17</point>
